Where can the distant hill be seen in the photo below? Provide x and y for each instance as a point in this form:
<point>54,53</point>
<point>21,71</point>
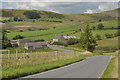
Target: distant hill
<point>114,13</point>
<point>46,19</point>
<point>26,14</point>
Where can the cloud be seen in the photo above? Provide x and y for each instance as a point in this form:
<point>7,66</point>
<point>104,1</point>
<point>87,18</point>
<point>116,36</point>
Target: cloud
<point>54,11</point>
<point>89,11</point>
<point>102,7</point>
<point>107,6</point>
<point>60,0</point>
<point>62,7</point>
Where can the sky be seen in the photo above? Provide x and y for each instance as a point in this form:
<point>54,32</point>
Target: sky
<point>62,6</point>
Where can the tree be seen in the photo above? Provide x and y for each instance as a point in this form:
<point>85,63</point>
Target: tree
<point>72,41</point>
<point>32,14</point>
<point>21,30</point>
<point>94,27</point>
<point>5,42</point>
<point>39,40</point>
<point>87,40</point>
<point>100,26</point>
<point>16,19</point>
<point>118,33</point>
<point>100,20</point>
<point>109,35</point>
<point>98,37</point>
<point>29,29</point>
<point>18,37</point>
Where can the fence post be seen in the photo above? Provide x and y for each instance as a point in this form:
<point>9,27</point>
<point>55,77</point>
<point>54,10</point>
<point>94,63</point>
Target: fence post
<point>24,55</point>
<point>16,54</point>
<point>8,54</point>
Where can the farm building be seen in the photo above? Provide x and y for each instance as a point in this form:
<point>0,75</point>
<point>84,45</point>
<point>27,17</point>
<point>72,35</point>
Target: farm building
<point>21,42</point>
<point>35,45</point>
<point>62,39</point>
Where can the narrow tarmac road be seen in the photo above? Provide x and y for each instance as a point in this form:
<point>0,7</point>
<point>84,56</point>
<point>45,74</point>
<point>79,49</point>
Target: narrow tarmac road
<point>64,50</point>
<point>91,67</point>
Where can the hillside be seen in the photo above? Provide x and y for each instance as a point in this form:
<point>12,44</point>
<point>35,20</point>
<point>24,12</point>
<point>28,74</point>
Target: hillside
<point>34,19</point>
<point>113,13</point>
<point>25,14</point>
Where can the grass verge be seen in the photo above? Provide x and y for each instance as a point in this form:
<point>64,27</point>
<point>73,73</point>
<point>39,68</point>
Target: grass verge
<point>11,73</point>
<point>112,69</point>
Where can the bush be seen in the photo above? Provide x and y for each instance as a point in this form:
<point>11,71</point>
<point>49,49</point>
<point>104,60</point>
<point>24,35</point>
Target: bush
<point>18,37</point>
<point>94,27</point>
<point>118,33</point>
<point>32,14</point>
<point>29,29</point>
<point>40,40</point>
<point>72,41</point>
<point>17,19</point>
<point>21,31</point>
<point>59,43</point>
<point>109,35</point>
<point>98,37</point>
<point>100,26</point>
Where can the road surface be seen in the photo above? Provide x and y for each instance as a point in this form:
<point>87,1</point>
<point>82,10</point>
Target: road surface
<point>65,50</point>
<point>91,67</point>
<point>58,48</point>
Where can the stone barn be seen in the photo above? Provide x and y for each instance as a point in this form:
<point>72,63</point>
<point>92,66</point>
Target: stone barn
<point>35,45</point>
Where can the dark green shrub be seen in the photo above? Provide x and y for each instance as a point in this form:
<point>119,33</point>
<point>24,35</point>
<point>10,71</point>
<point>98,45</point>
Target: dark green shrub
<point>18,37</point>
<point>98,37</point>
<point>100,26</point>
<point>59,43</point>
<point>72,41</point>
<point>118,33</point>
<point>94,27</point>
<point>21,31</point>
<point>109,35</point>
<point>40,40</point>
<point>32,14</point>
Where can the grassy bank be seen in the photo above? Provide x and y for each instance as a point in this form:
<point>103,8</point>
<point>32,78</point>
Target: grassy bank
<point>112,69</point>
<point>27,70</point>
<point>38,62</point>
<point>107,45</point>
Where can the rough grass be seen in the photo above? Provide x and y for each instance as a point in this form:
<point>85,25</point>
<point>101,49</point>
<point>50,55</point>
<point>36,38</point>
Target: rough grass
<point>22,50</point>
<point>22,67</point>
<point>27,70</point>
<point>112,69</point>
<point>100,32</point>
<point>107,45</point>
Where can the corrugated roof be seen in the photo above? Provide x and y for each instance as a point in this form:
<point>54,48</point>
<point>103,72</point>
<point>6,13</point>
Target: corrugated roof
<point>68,37</point>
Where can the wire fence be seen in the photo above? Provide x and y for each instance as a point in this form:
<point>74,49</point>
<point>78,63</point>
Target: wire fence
<point>34,58</point>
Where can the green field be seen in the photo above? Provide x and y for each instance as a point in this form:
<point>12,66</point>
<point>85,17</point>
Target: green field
<point>100,32</point>
<point>107,24</point>
<point>64,30</point>
<point>107,45</point>
<point>43,34</point>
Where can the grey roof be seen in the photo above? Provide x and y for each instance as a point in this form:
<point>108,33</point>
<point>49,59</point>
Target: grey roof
<point>36,44</point>
<point>25,40</point>
<point>59,37</point>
